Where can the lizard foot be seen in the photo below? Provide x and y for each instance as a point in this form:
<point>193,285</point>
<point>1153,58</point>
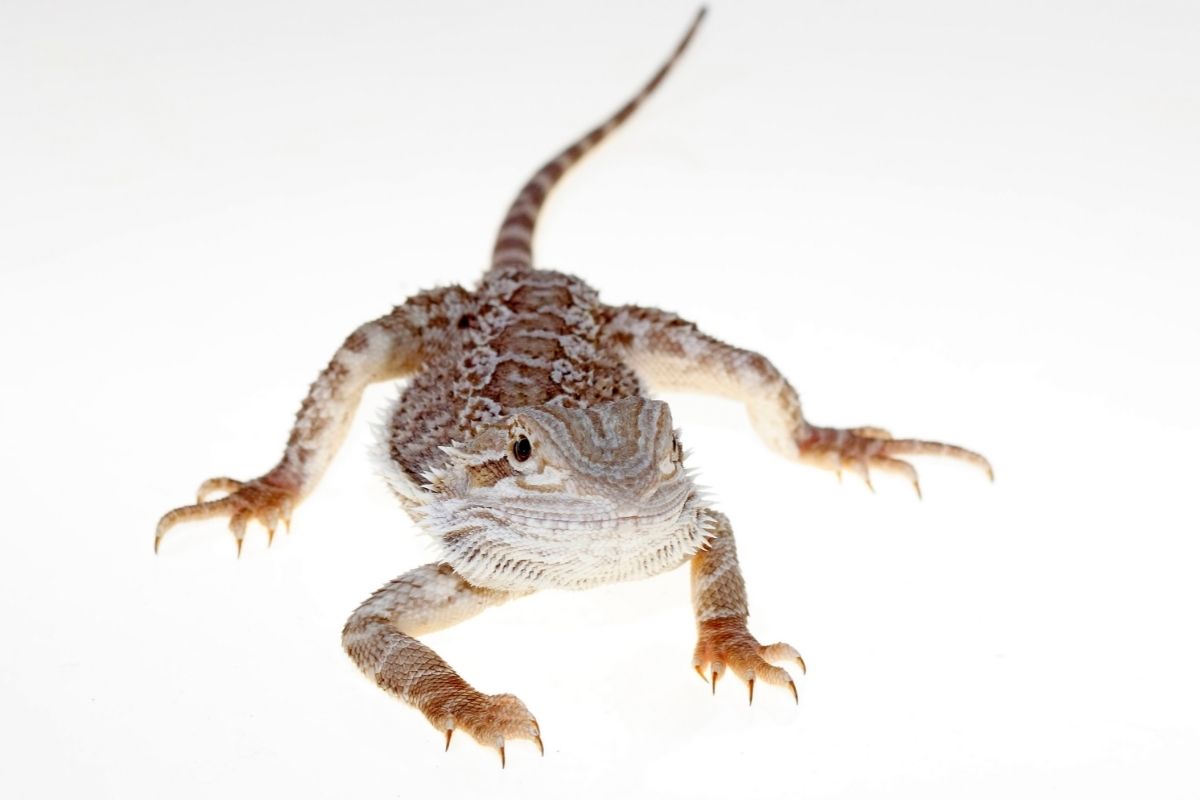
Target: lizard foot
<point>269,499</point>
<point>490,719</point>
<point>725,642</point>
<point>864,449</point>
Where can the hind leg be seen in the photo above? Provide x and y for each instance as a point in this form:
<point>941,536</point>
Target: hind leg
<point>379,636</point>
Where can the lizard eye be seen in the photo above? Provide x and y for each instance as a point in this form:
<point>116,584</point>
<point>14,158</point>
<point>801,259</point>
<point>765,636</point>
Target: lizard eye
<point>522,449</point>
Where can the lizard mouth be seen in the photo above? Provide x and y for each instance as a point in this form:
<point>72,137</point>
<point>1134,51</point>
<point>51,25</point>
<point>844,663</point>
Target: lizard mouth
<point>597,517</point>
<point>521,546</point>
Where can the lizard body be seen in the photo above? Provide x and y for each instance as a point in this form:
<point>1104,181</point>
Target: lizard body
<point>526,444</point>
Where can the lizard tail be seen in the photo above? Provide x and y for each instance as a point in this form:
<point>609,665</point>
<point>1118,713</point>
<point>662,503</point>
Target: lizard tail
<point>514,242</point>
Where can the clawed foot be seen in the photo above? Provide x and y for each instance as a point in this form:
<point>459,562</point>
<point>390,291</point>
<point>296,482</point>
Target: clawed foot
<point>864,449</point>
<point>490,719</point>
<point>269,500</point>
<point>726,643</point>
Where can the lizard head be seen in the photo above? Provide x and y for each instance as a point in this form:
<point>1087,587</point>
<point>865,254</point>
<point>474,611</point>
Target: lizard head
<point>566,498</point>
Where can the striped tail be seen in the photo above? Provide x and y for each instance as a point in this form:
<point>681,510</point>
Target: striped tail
<point>514,243</point>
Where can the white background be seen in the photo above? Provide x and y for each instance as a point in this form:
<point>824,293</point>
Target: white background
<point>967,221</point>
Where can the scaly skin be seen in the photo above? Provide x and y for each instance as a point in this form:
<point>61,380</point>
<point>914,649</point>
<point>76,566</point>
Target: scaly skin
<point>525,445</point>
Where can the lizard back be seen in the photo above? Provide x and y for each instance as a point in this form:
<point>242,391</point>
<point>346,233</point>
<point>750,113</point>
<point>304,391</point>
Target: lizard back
<point>518,341</point>
<point>522,338</point>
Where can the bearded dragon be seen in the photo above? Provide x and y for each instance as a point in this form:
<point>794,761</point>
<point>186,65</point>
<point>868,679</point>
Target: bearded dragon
<point>526,445</point>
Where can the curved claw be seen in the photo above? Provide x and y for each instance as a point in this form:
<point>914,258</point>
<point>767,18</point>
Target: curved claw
<point>726,644</point>
<point>917,447</point>
<point>221,484</point>
<point>491,720</point>
<point>897,467</point>
<point>860,468</point>
<point>206,510</point>
<point>862,449</point>
<point>781,651</point>
<point>269,500</point>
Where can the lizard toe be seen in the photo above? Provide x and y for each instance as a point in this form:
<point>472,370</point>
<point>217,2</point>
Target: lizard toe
<point>727,644</point>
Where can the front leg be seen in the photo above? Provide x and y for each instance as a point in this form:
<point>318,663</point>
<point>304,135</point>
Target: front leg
<point>672,354</point>
<point>379,637</point>
<point>390,347</point>
<point>719,598</point>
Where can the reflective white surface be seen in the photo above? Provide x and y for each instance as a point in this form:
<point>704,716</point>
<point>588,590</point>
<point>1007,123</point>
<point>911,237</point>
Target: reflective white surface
<point>967,221</point>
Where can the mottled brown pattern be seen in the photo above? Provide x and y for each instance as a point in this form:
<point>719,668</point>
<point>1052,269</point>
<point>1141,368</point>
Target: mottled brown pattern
<point>490,472</point>
<point>601,495</point>
<point>511,252</point>
<point>379,638</point>
<point>521,351</point>
<point>519,341</point>
<point>310,411</point>
<point>532,298</point>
